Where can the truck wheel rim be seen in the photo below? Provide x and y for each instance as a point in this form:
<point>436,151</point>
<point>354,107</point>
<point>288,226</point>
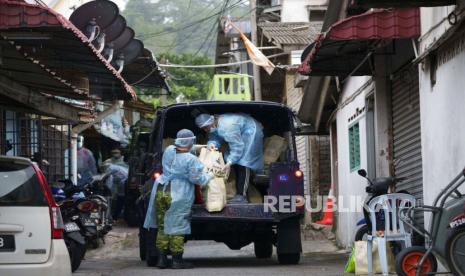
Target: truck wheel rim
<point>410,261</point>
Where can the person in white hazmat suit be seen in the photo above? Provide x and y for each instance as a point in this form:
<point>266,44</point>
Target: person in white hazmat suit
<point>244,136</point>
<point>172,197</point>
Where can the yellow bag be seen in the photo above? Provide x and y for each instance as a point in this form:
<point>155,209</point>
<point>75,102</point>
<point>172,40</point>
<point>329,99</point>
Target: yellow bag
<point>213,161</point>
<point>361,258</point>
<point>274,146</point>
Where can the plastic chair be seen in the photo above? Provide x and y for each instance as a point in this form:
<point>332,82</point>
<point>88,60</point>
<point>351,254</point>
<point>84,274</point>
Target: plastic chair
<point>394,229</point>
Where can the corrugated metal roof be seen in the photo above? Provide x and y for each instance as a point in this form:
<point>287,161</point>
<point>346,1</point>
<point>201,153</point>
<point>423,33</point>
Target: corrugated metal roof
<point>19,15</point>
<point>287,33</point>
<point>346,44</point>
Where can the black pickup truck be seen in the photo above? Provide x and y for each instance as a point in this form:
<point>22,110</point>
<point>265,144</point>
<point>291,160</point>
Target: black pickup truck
<point>237,225</point>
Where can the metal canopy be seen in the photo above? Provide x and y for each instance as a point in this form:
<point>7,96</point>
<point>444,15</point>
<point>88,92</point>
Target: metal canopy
<point>347,46</point>
<point>144,72</point>
<point>43,35</point>
<point>403,3</point>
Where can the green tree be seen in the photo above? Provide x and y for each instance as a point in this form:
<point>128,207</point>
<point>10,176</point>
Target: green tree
<point>194,84</point>
<point>180,26</point>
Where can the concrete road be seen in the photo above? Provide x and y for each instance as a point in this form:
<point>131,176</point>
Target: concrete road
<point>120,257</point>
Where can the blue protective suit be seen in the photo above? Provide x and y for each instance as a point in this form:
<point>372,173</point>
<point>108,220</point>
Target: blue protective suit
<point>117,179</point>
<point>183,171</point>
<point>86,166</point>
<point>244,136</point>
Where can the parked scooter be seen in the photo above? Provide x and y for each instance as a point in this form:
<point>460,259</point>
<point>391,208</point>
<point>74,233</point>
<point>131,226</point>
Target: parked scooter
<point>74,240</point>
<point>445,238</point>
<point>377,187</point>
<point>100,194</point>
<point>84,207</point>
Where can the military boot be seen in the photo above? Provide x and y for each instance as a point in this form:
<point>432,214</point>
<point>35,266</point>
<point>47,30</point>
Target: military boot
<point>162,259</point>
<point>179,263</point>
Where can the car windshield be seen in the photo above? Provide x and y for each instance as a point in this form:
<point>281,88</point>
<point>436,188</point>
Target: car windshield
<point>19,185</point>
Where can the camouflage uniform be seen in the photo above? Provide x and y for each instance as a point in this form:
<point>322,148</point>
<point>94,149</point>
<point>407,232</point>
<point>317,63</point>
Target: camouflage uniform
<point>173,243</point>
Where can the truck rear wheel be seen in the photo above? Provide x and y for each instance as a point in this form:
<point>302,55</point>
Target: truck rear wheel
<point>263,249</point>
<point>289,259</point>
<point>289,244</point>
<point>142,245</point>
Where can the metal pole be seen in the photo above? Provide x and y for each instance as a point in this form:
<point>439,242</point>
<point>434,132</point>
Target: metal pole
<point>256,70</point>
<point>73,156</point>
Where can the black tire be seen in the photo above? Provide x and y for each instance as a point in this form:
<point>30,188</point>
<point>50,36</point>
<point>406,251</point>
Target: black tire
<point>455,244</point>
<point>289,243</point>
<point>142,244</point>
<point>407,258</point>
<point>151,251</point>
<point>361,232</point>
<point>151,260</point>
<point>95,243</point>
<point>289,259</point>
<point>76,253</point>
<point>263,249</point>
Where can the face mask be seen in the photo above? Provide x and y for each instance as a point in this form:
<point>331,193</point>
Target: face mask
<point>80,142</point>
<point>213,129</point>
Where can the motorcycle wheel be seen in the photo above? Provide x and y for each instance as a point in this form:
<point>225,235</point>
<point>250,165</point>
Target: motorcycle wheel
<point>95,243</point>
<point>408,258</point>
<point>455,253</point>
<point>76,253</point>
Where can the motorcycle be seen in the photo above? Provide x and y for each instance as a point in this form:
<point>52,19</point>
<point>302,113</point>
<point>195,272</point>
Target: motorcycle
<point>378,186</point>
<point>84,207</point>
<point>74,240</point>
<point>100,194</point>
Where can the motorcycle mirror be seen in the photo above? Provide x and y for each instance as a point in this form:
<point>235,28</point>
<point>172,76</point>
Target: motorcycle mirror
<point>362,173</point>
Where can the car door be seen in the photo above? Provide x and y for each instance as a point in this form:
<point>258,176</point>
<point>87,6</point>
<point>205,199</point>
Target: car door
<point>25,224</point>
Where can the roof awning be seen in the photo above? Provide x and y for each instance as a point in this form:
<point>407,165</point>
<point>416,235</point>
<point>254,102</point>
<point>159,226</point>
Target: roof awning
<point>346,48</point>
<point>55,46</point>
<point>403,3</point>
<point>144,72</point>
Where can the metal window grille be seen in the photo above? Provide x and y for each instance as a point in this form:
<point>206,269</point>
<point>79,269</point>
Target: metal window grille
<point>45,141</point>
<point>354,146</point>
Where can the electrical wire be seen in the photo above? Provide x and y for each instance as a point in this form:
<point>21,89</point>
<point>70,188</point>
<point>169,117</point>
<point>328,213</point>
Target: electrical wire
<point>204,66</point>
<point>192,24</point>
<point>212,29</point>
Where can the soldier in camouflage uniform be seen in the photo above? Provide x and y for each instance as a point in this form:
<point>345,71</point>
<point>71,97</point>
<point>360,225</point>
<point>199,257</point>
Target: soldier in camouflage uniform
<point>172,198</point>
<point>173,243</point>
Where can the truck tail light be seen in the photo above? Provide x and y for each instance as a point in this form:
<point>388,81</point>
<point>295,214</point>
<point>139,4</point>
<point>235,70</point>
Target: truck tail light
<point>298,174</point>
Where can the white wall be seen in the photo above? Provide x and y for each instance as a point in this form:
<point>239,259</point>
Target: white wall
<point>442,114</point>
<point>350,183</point>
<point>297,10</point>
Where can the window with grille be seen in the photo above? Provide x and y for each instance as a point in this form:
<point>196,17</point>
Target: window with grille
<point>354,146</point>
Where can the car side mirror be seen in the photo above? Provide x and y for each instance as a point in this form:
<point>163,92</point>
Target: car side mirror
<point>362,173</point>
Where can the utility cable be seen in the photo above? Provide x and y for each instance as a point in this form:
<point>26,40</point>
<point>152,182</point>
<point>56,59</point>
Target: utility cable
<point>148,35</point>
<point>215,65</point>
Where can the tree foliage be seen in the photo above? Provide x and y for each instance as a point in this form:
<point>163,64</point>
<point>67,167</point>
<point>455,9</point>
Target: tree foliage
<point>193,84</point>
<point>185,32</point>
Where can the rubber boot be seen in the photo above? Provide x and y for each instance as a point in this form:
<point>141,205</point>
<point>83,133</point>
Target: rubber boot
<point>179,263</point>
<point>162,262</point>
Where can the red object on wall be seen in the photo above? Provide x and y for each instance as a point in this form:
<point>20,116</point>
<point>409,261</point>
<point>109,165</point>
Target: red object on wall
<point>374,25</point>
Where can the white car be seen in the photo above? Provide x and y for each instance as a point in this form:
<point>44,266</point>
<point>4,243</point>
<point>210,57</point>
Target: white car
<point>31,227</point>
